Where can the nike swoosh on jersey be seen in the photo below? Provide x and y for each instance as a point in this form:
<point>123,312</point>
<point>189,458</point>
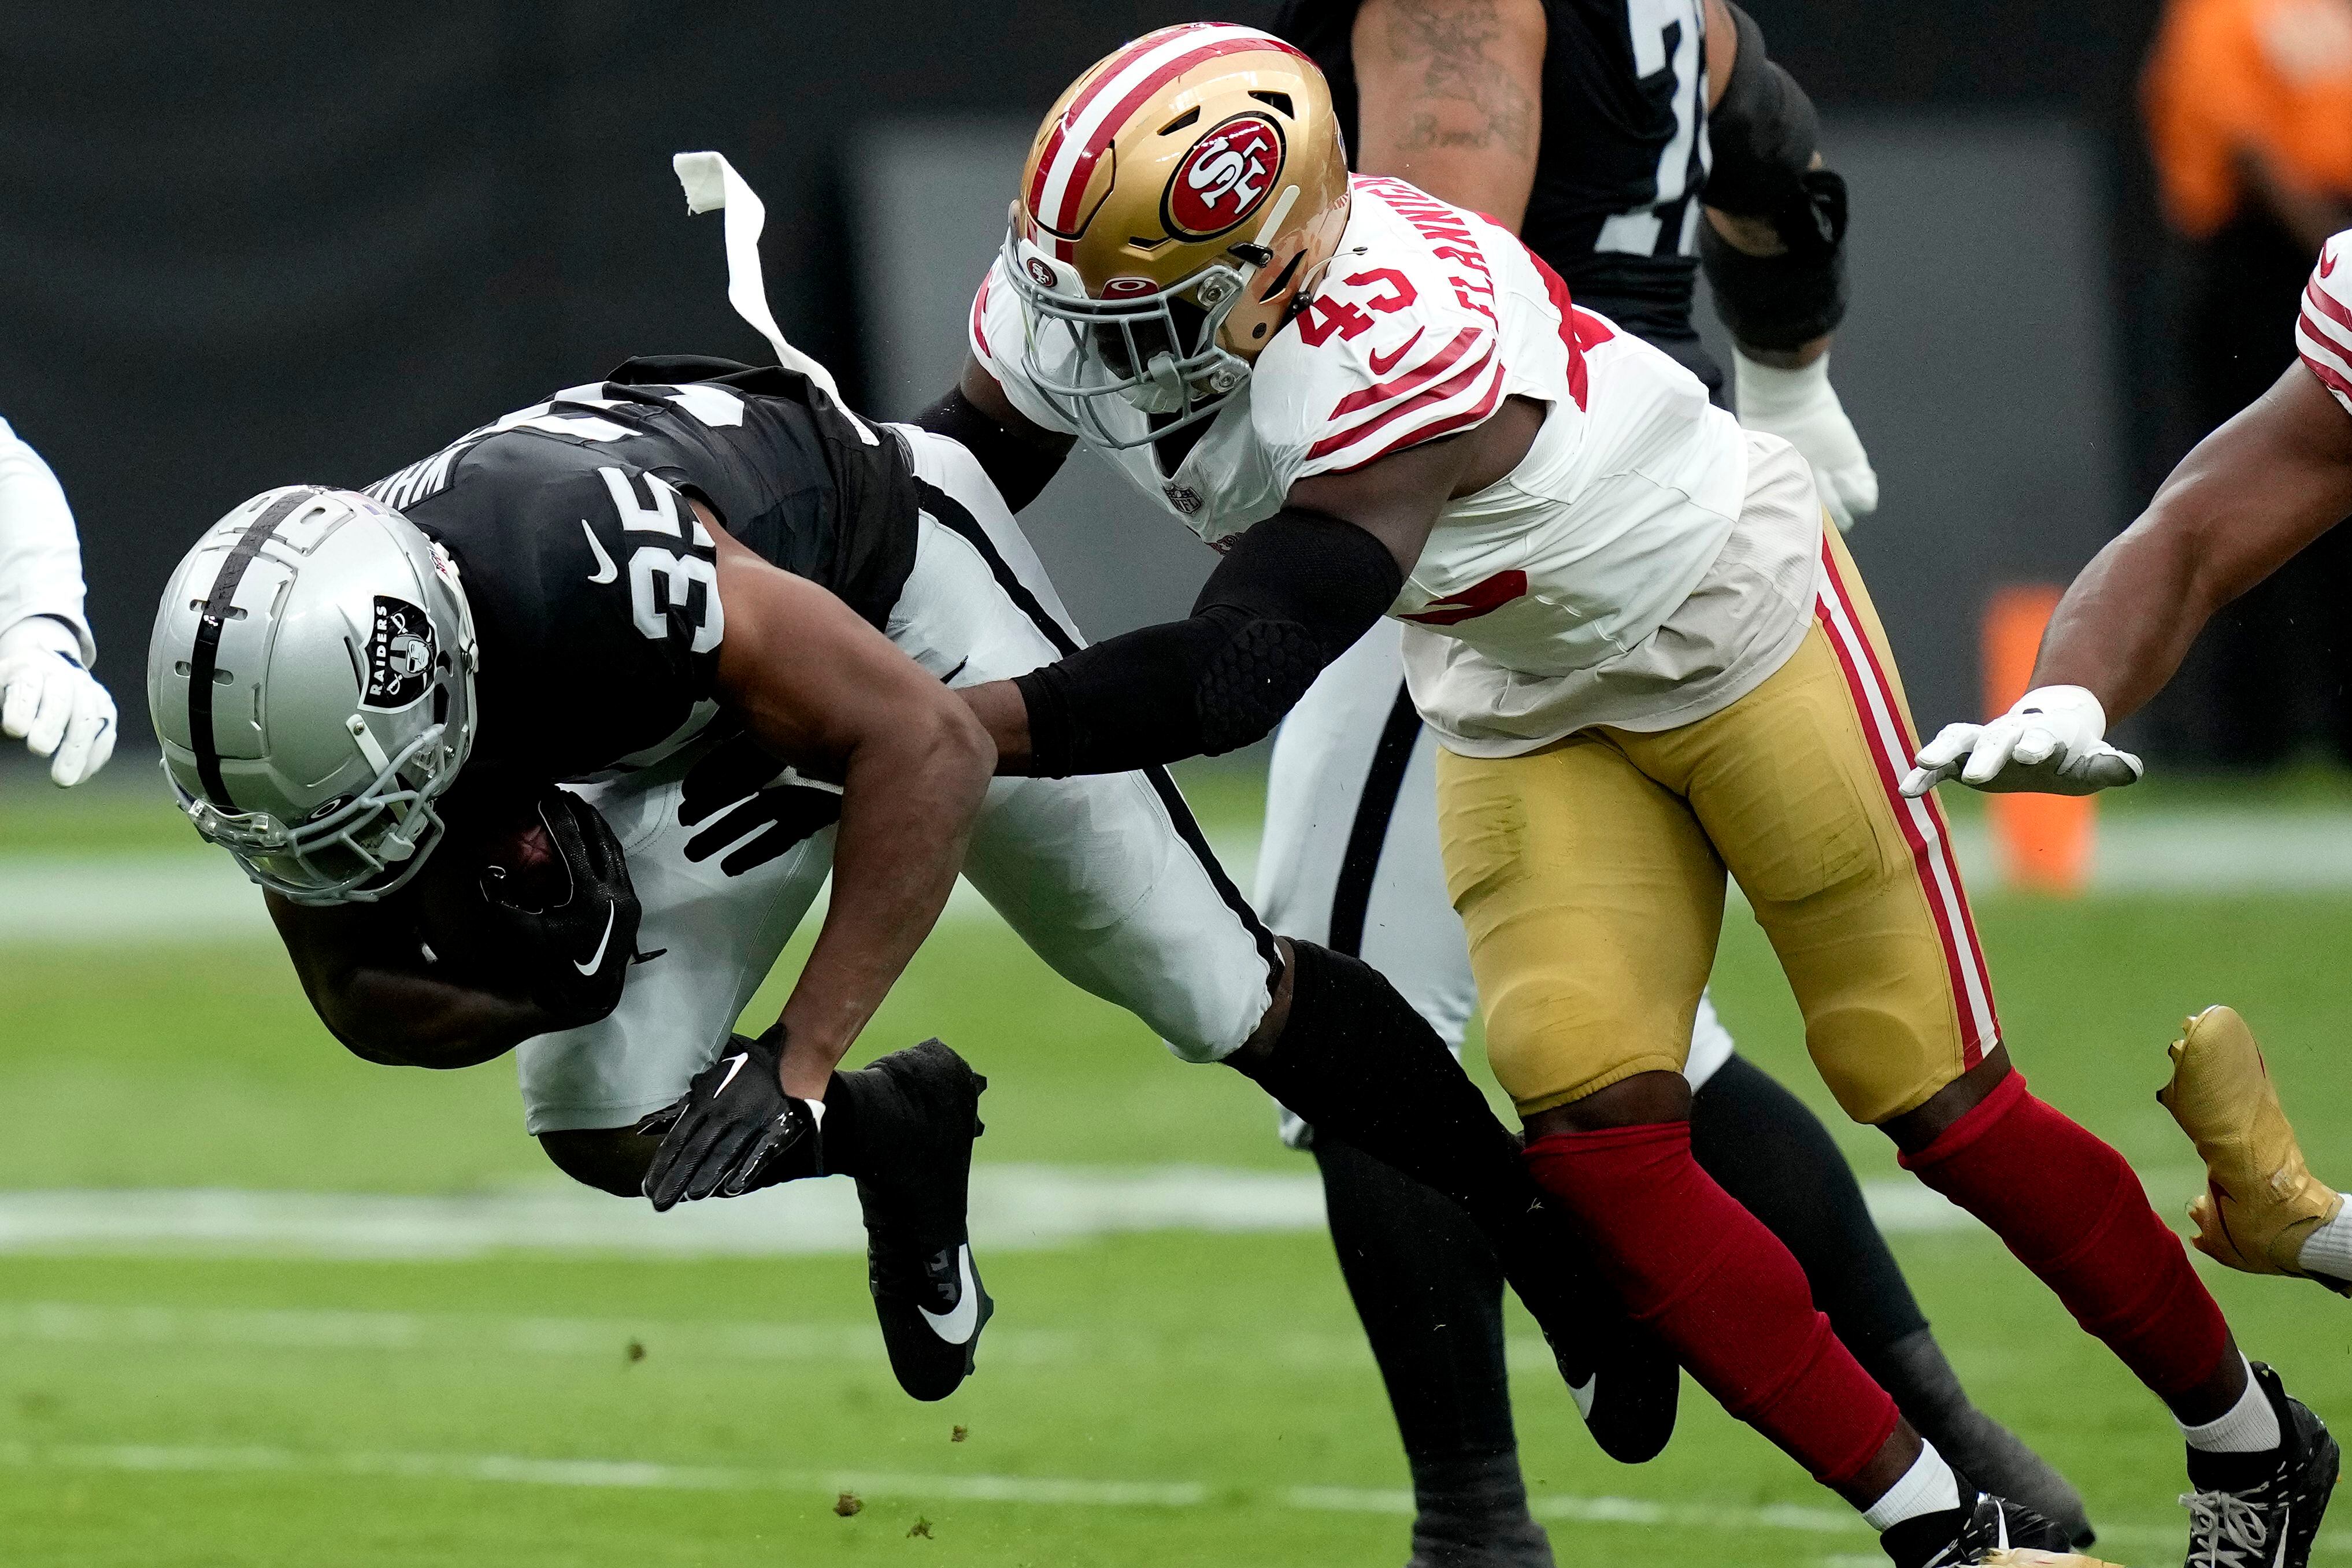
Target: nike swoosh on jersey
<point>2326,264</point>
<point>596,959</point>
<point>605,572</point>
<point>734,1065</point>
<point>958,1326</point>
<point>1379,368</point>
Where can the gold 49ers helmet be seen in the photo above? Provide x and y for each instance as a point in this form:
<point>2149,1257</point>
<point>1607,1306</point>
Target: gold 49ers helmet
<point>1178,199</point>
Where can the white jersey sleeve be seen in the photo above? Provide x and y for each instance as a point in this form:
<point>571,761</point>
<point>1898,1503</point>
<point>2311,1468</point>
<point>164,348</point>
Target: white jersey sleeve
<point>998,339</point>
<point>2323,332</point>
<point>40,559</point>
<point>1400,344</point>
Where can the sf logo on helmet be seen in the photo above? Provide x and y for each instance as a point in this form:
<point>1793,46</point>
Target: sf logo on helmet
<point>1224,178</point>
<point>400,653</point>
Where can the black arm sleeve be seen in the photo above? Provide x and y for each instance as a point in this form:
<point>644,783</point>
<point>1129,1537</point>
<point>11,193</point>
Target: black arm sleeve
<point>1765,133</point>
<point>1295,593</point>
<point>1019,469</point>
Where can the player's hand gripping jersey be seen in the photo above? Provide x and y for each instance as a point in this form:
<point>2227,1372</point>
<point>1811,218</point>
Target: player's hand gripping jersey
<point>1623,573</point>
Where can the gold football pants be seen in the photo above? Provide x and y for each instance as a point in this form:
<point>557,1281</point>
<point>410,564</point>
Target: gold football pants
<point>1590,876</point>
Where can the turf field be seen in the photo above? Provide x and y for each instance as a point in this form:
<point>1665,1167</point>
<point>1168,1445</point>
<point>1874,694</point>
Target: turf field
<point>1170,1395</point>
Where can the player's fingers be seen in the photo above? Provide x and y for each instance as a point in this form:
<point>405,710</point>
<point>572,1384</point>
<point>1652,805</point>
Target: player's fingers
<point>56,711</point>
<point>725,1153</point>
<point>2108,768</point>
<point>662,1120</point>
<point>2035,745</point>
<point>1952,743</point>
<point>780,1134</point>
<point>1860,484</point>
<point>89,740</point>
<point>20,698</point>
<point>1990,754</point>
<point>1834,502</point>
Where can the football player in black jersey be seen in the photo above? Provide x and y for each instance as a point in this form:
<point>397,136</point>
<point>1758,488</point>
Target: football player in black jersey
<point>697,628</point>
<point>1602,130</point>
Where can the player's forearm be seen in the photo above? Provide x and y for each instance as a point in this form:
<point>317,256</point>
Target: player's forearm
<point>910,793</point>
<point>2123,627</point>
<point>1450,97</point>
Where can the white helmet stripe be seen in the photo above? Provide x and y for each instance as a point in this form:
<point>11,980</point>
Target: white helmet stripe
<point>207,654</point>
<point>1063,174</point>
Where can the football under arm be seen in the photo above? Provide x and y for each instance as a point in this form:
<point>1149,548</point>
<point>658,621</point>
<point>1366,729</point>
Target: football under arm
<point>373,989</point>
<point>814,684</point>
<point>1449,95</point>
<point>2249,497</point>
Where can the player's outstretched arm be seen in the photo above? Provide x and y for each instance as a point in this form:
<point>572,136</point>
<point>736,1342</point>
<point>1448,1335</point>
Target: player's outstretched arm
<point>2250,497</point>
<point>826,692</point>
<point>1294,593</point>
<point>1019,457</point>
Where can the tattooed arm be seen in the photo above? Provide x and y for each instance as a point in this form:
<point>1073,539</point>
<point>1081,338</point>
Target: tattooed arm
<point>1450,97</point>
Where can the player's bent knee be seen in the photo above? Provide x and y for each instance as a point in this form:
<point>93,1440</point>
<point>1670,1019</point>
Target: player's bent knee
<point>1552,1039</point>
<point>610,1159</point>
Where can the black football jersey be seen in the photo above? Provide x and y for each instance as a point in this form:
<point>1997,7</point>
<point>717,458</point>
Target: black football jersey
<point>1615,205</point>
<point>592,584</point>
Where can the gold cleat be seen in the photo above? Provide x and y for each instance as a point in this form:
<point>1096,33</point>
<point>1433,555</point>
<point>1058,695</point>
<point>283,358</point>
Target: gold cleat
<point>2261,1201</point>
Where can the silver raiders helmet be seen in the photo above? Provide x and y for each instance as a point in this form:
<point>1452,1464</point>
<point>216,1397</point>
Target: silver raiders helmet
<point>311,678</point>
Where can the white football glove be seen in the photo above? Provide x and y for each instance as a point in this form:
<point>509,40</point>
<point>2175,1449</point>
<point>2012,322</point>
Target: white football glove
<point>51,703</point>
<point>2050,743</point>
<point>1801,408</point>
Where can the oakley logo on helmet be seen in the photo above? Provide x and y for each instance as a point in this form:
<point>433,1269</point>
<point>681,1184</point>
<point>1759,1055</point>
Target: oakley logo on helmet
<point>399,654</point>
<point>1128,288</point>
<point>1224,178</point>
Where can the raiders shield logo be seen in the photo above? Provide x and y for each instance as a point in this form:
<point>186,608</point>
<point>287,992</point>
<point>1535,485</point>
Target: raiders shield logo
<point>399,654</point>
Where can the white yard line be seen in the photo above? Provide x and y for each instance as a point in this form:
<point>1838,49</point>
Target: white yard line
<point>195,895</point>
<point>1014,1207</point>
<point>638,1475</point>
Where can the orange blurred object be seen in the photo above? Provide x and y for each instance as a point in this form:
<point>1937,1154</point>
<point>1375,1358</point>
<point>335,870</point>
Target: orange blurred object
<point>2045,840</point>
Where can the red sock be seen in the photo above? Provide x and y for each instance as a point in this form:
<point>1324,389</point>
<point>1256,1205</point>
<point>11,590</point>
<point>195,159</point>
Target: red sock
<point>1718,1290</point>
<point>2072,1210</point>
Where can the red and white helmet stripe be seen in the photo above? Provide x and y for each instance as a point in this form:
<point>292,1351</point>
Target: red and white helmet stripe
<point>1086,129</point>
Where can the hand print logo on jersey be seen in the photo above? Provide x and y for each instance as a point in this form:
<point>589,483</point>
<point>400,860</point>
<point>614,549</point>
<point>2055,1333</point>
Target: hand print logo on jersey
<point>1224,178</point>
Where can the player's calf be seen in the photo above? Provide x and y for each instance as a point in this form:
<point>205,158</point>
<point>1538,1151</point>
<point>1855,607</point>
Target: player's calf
<point>1348,1054</point>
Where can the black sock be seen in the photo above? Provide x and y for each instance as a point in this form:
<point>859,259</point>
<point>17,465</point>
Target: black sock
<point>1357,1061</point>
<point>855,1105</point>
<point>1767,1150</point>
<point>1430,1293</point>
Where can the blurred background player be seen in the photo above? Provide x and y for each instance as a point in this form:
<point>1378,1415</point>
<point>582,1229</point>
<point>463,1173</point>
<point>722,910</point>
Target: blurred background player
<point>2249,114</point>
<point>1591,138</point>
<point>48,698</point>
<point>2250,498</point>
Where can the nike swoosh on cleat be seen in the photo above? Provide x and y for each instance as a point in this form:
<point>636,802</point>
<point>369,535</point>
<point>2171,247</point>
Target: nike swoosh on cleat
<point>596,959</point>
<point>1583,1393</point>
<point>605,572</point>
<point>734,1066</point>
<point>957,1325</point>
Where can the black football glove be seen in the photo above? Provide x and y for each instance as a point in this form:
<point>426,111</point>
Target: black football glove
<point>746,783</point>
<point>734,1130</point>
<point>573,955</point>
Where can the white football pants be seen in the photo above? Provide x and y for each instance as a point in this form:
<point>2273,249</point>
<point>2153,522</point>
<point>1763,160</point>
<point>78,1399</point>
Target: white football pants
<point>1108,878</point>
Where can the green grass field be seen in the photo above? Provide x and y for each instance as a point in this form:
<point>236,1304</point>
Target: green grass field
<point>1169,1397</point>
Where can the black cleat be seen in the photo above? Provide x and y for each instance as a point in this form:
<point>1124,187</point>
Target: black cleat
<point>1624,1383</point>
<point>927,1294</point>
<point>2264,1514</point>
<point>1987,1529</point>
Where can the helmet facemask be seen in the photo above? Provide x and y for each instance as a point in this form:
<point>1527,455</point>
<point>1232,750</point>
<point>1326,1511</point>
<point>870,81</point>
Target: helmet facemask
<point>1159,351</point>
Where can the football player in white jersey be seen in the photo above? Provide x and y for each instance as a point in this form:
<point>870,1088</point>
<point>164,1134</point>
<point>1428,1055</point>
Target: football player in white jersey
<point>1648,667</point>
<point>48,698</point>
<point>2251,495</point>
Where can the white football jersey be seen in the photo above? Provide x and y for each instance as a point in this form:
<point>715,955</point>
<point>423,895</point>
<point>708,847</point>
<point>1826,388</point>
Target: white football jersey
<point>1427,318</point>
